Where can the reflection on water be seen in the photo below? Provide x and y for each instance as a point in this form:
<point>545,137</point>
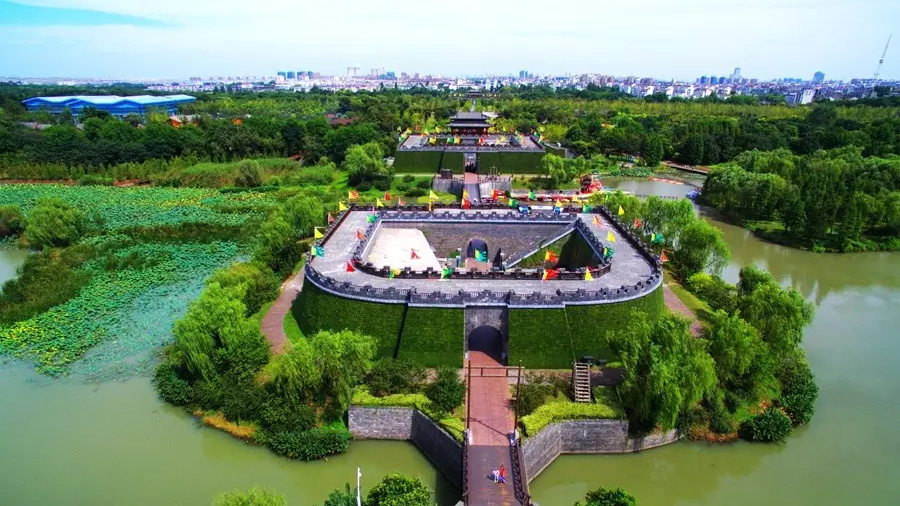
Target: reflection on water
<point>843,457</point>
<point>10,259</point>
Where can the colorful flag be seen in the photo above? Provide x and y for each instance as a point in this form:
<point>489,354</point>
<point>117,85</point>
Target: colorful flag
<point>531,195</point>
<point>413,255</point>
<point>350,267</point>
<point>341,207</point>
<point>400,202</point>
<point>557,209</point>
<point>608,252</point>
<point>393,272</point>
<point>378,202</point>
<point>550,274</point>
<point>465,204</point>
<point>353,195</point>
<point>549,256</point>
<point>621,211</point>
<point>372,218</point>
<point>658,238</point>
<point>465,194</point>
<point>610,237</point>
<point>663,257</point>
<point>587,275</point>
<point>317,234</point>
<point>432,195</point>
<point>387,197</point>
<point>587,208</point>
<point>317,251</point>
<point>359,235</point>
<point>513,202</point>
<point>597,221</point>
<point>446,272</point>
<point>637,223</point>
<point>495,194</point>
<point>480,256</point>
<point>330,218</point>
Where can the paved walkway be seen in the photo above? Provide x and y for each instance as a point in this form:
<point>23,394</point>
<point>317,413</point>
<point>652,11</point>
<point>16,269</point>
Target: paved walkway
<point>491,421</point>
<point>272,324</point>
<point>676,306</point>
<point>628,266</point>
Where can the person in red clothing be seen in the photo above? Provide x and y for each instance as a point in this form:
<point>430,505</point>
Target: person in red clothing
<point>502,474</point>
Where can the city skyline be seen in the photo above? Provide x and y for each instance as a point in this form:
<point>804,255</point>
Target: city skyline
<point>172,39</point>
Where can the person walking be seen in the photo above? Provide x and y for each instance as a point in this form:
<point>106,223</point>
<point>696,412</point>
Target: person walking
<point>502,474</point>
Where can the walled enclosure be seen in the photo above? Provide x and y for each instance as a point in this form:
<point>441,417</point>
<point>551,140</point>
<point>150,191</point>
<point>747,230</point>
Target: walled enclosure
<point>409,424</point>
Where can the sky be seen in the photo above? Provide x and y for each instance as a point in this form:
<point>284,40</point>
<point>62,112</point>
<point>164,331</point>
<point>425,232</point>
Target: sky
<point>655,38</point>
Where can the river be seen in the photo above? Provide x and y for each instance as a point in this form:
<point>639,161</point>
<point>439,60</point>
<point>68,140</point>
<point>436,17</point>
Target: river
<point>66,442</point>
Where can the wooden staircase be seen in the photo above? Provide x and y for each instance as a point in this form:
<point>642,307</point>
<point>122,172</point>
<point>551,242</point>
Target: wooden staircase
<point>581,382</point>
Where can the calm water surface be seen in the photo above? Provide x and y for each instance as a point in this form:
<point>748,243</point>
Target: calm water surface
<point>847,455</point>
<point>69,443</point>
<point>10,258</point>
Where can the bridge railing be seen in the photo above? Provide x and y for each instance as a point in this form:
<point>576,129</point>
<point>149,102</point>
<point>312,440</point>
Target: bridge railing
<point>519,474</point>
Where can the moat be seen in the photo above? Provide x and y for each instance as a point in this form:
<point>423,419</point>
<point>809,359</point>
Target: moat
<point>116,443</point>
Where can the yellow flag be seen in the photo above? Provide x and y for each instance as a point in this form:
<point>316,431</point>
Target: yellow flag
<point>317,234</point>
<point>378,203</point>
<point>621,211</point>
<point>432,195</point>
<point>341,206</point>
<point>610,237</point>
<point>465,194</point>
<point>587,275</point>
<point>596,220</point>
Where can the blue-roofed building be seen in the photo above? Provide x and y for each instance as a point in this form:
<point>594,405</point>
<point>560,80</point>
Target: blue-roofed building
<point>113,104</point>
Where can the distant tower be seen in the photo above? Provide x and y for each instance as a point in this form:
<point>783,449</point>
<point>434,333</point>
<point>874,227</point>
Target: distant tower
<point>883,53</point>
<point>818,77</point>
<point>736,76</point>
<point>351,71</point>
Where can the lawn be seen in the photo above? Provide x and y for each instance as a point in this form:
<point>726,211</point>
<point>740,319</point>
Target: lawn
<point>700,308</point>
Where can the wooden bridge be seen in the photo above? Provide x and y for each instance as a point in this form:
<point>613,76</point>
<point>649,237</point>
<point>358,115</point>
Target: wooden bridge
<point>696,169</point>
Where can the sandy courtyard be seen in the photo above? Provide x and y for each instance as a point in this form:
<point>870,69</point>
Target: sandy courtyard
<point>393,248</point>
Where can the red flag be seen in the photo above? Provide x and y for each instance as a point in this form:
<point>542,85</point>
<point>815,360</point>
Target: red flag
<point>637,223</point>
<point>350,267</point>
<point>400,202</point>
<point>359,234</point>
<point>387,196</point>
<point>413,255</point>
<point>330,218</point>
<point>551,257</point>
<point>494,194</point>
<point>663,257</point>
<point>550,274</point>
<point>466,204</point>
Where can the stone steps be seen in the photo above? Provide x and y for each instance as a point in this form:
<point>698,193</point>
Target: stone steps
<point>581,382</point>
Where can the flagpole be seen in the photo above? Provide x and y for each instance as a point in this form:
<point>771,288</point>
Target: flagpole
<point>358,496</point>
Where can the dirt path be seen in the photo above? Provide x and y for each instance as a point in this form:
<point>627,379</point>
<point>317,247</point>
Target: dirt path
<point>272,325</point>
<point>676,306</point>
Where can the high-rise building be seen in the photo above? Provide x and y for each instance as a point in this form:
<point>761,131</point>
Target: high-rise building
<point>704,80</point>
<point>736,75</point>
<point>523,74</point>
<point>290,75</point>
<point>282,74</point>
<point>713,80</point>
<point>818,77</point>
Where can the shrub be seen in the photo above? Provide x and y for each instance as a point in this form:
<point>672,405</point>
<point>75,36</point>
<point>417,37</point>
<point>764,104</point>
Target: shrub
<point>532,396</point>
<point>398,490</point>
<point>798,392</point>
<point>409,178</point>
<point>713,290</point>
<point>391,376</point>
<point>719,418</point>
<point>424,184</point>
<point>415,192</point>
<point>382,184</point>
<point>171,387</point>
<point>12,221</point>
<point>364,186</point>
<point>254,280</point>
<point>773,425</point>
<point>252,497</point>
<point>53,222</point>
<point>281,415</point>
<point>249,174</point>
<point>608,497</point>
<point>559,411</point>
<point>447,391</point>
<point>311,444</point>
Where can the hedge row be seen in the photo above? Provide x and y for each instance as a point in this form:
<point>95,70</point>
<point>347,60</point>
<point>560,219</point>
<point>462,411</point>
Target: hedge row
<point>316,310</point>
<point>433,337</point>
<point>556,151</point>
<point>427,162</point>
<point>559,411</point>
<point>540,339</point>
<point>589,324</point>
<point>453,160</point>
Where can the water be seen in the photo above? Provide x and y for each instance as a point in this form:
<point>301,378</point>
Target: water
<point>65,442</point>
<point>849,451</point>
<point>10,259</point>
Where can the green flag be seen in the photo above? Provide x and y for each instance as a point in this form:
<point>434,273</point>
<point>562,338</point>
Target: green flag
<point>586,208</point>
<point>480,256</point>
<point>531,195</point>
<point>513,203</point>
<point>446,272</point>
<point>371,218</point>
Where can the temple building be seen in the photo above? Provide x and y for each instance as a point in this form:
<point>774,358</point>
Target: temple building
<point>469,123</point>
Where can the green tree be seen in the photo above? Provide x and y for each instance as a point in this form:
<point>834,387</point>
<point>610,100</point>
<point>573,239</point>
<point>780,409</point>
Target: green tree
<point>249,174</point>
<point>252,497</point>
<point>398,490</point>
<point>365,163</point>
<point>304,212</point>
<point>666,370</point>
<point>653,150</point>
<point>779,315</point>
<point>608,497</point>
<point>700,247</point>
<point>447,391</point>
<point>12,221</point>
<point>53,222</point>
